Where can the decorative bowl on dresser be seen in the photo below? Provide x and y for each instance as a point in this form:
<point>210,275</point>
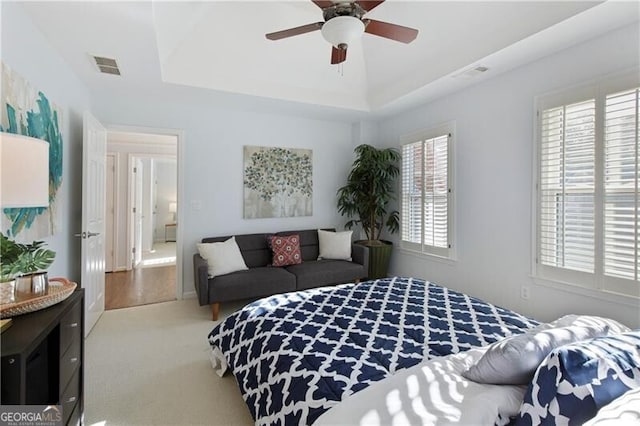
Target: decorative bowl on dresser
<point>43,358</point>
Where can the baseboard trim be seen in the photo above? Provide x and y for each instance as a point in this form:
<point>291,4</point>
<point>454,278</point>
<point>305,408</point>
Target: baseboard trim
<point>189,295</point>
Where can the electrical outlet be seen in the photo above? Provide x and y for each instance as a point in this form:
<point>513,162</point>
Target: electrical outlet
<point>524,292</point>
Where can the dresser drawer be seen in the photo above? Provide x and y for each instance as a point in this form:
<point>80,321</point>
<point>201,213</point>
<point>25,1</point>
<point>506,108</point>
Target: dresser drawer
<point>69,362</point>
<point>70,397</point>
<point>70,327</point>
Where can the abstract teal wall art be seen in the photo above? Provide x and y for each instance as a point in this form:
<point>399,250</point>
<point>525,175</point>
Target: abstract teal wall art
<point>29,112</point>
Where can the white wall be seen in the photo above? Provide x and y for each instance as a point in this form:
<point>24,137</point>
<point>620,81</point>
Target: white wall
<point>27,52</point>
<point>494,148</point>
<point>212,192</point>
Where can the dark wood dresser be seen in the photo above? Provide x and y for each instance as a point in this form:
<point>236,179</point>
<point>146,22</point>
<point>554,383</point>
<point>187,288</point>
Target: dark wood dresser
<point>43,358</point>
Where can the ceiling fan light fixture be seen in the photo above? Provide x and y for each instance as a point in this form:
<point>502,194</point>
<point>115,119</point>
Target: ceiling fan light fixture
<point>341,30</point>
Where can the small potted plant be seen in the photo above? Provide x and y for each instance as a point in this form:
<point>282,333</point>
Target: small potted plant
<point>9,253</point>
<point>365,198</point>
<point>26,264</point>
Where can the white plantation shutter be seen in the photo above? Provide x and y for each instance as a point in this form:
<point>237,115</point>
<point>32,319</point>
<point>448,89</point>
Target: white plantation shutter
<point>425,216</point>
<point>411,218</point>
<point>588,221</point>
<point>567,185</point>
<point>436,196</point>
<point>621,243</point>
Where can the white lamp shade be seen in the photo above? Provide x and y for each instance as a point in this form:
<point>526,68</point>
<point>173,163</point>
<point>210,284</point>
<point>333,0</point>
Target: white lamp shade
<point>24,173</point>
<point>342,30</point>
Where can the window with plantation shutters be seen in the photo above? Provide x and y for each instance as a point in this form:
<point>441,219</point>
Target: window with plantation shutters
<point>567,185</point>
<point>588,221</point>
<point>425,219</point>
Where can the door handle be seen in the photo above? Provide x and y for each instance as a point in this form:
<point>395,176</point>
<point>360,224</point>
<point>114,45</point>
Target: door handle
<point>85,235</point>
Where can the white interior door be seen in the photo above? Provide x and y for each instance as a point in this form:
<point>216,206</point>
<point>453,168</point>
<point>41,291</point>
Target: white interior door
<point>93,218</point>
<point>110,233</point>
<point>147,206</point>
<point>138,214</point>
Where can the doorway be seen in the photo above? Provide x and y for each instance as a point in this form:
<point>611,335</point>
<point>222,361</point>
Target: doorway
<point>141,266</point>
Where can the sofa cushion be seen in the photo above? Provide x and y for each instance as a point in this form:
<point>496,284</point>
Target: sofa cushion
<point>286,250</point>
<point>316,273</point>
<point>254,247</point>
<point>308,242</point>
<point>223,257</point>
<point>254,282</point>
<point>335,245</point>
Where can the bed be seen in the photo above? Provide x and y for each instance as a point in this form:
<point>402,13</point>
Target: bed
<point>297,355</point>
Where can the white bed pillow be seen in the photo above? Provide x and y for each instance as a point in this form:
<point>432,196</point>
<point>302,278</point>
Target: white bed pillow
<point>589,320</point>
<point>335,245</point>
<point>514,360</point>
<point>222,258</point>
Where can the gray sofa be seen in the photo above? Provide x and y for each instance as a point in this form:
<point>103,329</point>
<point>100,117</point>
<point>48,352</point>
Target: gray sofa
<point>262,279</point>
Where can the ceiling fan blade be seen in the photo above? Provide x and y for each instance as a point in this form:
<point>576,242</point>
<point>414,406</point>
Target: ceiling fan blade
<point>390,31</point>
<point>323,4</point>
<point>368,5</point>
<point>294,31</point>
<point>338,55</point>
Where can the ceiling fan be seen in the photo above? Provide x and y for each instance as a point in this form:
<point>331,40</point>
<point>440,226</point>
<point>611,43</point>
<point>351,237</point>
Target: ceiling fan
<point>344,22</point>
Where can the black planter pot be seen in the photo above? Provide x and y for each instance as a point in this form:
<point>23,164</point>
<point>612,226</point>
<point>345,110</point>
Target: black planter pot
<point>379,257</point>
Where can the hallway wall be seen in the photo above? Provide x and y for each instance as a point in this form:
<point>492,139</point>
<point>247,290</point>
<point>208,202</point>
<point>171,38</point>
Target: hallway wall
<point>123,148</point>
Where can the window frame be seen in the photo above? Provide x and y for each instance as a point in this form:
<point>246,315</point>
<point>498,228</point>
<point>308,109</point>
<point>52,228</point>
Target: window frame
<point>596,283</point>
<point>439,253</point>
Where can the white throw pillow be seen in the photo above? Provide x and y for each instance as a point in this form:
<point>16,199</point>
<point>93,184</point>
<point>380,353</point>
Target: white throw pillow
<point>514,360</point>
<point>222,258</point>
<point>335,245</point>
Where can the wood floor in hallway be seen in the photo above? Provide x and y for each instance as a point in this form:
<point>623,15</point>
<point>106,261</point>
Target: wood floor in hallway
<point>140,287</point>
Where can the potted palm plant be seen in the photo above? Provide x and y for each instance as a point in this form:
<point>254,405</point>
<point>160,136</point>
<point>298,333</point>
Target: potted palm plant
<point>26,264</point>
<point>365,199</point>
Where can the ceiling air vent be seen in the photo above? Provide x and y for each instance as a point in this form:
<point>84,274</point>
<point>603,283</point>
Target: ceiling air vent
<point>471,72</point>
<point>107,65</point>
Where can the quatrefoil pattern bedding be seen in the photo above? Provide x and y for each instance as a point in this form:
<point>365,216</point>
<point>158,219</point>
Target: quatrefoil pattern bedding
<point>578,379</point>
<point>296,355</point>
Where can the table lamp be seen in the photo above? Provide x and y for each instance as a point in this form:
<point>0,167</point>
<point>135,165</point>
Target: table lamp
<point>24,172</point>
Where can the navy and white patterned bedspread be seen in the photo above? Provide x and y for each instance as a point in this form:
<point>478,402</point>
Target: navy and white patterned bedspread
<point>296,355</point>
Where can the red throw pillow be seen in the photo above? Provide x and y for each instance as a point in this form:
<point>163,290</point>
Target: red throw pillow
<point>286,250</point>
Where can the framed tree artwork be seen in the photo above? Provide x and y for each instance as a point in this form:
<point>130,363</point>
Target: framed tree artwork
<point>278,182</point>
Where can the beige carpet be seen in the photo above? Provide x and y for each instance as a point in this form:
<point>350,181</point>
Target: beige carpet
<point>149,365</point>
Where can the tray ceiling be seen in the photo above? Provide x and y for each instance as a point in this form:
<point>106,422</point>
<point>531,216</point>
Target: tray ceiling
<point>220,45</point>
